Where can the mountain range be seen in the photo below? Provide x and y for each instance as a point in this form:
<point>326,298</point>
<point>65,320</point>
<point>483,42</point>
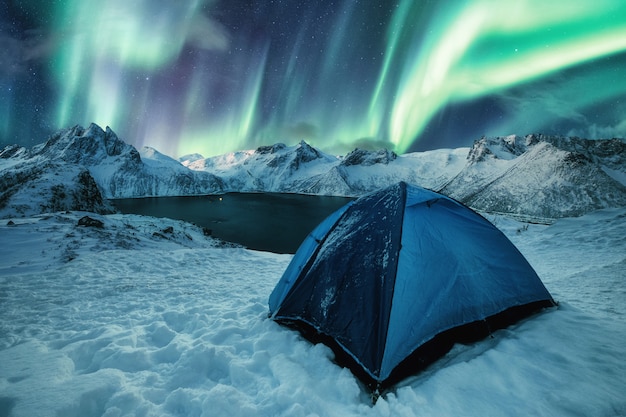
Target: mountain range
<point>533,177</point>
<point>80,169</point>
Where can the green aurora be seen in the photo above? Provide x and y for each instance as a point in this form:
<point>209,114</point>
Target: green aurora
<point>218,76</point>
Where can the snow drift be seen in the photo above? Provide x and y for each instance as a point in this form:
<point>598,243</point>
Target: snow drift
<point>148,317</point>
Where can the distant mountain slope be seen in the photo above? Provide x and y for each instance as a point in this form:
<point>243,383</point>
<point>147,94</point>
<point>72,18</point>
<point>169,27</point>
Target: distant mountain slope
<point>304,169</point>
<point>48,186</point>
<point>542,176</point>
<point>535,177</point>
<point>276,168</point>
<point>78,169</point>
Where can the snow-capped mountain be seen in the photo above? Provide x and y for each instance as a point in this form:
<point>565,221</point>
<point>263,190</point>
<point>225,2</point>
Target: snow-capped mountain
<point>27,189</point>
<point>540,176</point>
<point>534,177</point>
<point>304,169</point>
<point>78,169</point>
<point>276,168</point>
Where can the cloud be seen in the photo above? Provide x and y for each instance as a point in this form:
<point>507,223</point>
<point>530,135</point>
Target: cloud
<point>16,55</point>
<point>301,130</point>
<point>372,144</point>
<point>206,33</point>
<point>596,131</point>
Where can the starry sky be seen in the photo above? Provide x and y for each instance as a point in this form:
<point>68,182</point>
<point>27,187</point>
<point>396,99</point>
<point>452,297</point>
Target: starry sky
<point>215,76</point>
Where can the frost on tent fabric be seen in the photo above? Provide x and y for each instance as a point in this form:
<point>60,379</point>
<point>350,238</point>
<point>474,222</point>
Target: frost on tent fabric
<point>392,280</point>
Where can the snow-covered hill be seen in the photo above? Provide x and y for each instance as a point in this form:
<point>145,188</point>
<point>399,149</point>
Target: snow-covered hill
<point>78,169</point>
<point>540,176</point>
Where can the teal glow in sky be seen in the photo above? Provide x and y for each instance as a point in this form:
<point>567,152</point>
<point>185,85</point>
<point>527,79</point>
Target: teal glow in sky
<point>217,76</point>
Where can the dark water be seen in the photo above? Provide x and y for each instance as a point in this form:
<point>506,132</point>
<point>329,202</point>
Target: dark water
<point>262,221</point>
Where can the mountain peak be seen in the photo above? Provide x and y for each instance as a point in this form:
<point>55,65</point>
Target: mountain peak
<point>366,158</point>
<point>89,146</point>
<point>498,147</point>
<point>78,169</point>
<point>306,153</point>
<point>536,176</point>
<point>269,149</point>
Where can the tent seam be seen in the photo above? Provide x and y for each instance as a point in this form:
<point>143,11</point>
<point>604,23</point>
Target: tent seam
<point>403,186</point>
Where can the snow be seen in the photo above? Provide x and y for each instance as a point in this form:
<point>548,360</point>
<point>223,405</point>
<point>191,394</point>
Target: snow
<point>534,177</point>
<point>149,317</point>
<point>302,169</point>
<point>540,182</point>
<point>617,175</point>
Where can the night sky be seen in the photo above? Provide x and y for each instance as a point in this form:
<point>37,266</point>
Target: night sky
<point>214,76</point>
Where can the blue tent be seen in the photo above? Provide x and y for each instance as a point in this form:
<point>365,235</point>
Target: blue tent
<point>393,279</point>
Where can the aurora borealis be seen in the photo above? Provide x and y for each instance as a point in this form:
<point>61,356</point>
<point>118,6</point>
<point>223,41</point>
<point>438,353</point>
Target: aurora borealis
<point>217,76</point>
